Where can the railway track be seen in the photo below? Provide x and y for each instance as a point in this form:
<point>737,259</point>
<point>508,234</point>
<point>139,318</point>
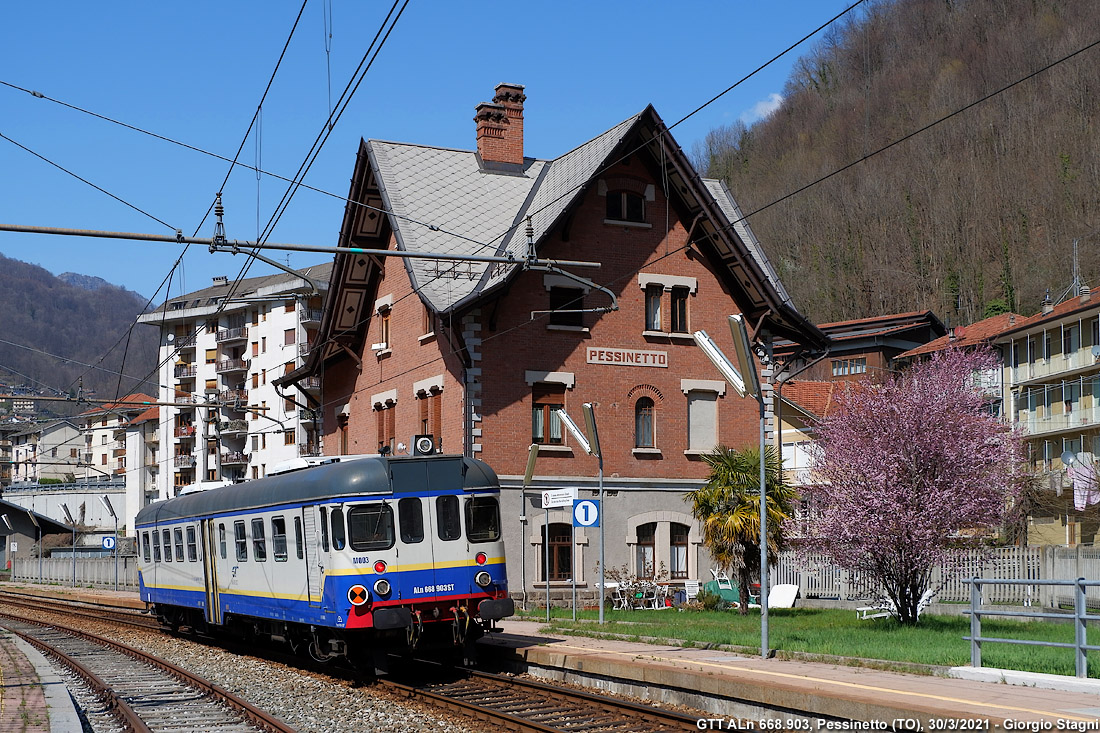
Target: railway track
<point>150,695</point>
<point>518,704</point>
<point>82,609</point>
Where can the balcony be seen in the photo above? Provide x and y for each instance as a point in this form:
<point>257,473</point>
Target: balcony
<point>231,365</point>
<point>1060,365</point>
<point>118,452</point>
<point>87,459</point>
<point>308,450</point>
<point>185,399</point>
<point>184,461</point>
<point>305,348</point>
<point>1074,420</point>
<point>186,371</point>
<point>310,384</point>
<point>184,342</point>
<point>152,437</point>
<point>229,335</point>
<point>232,428</point>
<point>184,431</point>
<point>231,396</point>
<point>310,315</point>
<point>234,458</point>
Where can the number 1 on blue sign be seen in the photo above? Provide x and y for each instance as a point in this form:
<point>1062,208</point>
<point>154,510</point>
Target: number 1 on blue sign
<point>586,513</point>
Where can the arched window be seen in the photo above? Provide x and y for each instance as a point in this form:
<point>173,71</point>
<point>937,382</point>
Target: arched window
<point>644,552</point>
<point>561,550</point>
<point>678,551</point>
<point>644,432</point>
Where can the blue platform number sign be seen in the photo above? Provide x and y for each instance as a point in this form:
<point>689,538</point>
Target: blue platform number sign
<point>586,513</point>
<point>108,543</point>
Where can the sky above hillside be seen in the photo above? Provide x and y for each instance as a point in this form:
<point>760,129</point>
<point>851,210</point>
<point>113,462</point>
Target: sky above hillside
<point>195,72</point>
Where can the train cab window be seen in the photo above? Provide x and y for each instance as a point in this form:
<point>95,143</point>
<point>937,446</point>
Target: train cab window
<point>166,535</point>
<point>298,537</point>
<point>482,519</point>
<point>178,536</point>
<point>240,541</point>
<point>446,514</point>
<point>145,547</point>
<point>192,546</point>
<point>221,541</point>
<point>278,539</point>
<point>370,527</point>
<point>339,537</point>
<point>156,546</point>
<point>410,517</point>
<point>324,529</point>
<point>259,542</point>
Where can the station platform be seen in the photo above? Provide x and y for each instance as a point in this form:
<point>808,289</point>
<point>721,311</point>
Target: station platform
<point>728,685</point>
<point>33,698</point>
<point>739,686</point>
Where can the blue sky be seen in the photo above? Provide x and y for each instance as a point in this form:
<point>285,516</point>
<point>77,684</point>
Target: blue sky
<point>195,72</point>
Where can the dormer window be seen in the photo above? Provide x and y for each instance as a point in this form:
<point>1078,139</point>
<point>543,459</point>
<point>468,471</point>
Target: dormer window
<point>625,206</point>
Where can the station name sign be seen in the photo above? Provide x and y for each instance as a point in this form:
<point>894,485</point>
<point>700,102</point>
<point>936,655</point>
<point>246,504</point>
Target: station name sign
<point>626,357</point>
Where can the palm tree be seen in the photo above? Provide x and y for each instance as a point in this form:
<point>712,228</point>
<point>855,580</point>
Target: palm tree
<point>728,506</point>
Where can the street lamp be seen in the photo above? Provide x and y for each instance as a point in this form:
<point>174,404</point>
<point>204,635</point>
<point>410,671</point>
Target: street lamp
<point>532,455</point>
<point>746,383</point>
<point>69,518</point>
<point>7,522</point>
<point>590,442</point>
<point>111,510</point>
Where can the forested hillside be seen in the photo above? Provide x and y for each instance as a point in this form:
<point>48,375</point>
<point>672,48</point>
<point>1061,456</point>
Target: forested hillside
<point>50,315</point>
<point>971,217</point>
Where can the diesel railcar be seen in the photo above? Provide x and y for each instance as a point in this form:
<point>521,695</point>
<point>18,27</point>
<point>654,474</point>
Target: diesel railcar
<point>354,559</point>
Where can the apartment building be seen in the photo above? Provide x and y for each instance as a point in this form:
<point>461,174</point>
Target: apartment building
<point>46,451</point>
<point>221,348</point>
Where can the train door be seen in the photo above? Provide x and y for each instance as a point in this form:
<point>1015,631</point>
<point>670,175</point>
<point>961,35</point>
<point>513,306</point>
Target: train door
<point>210,571</point>
<point>315,554</point>
<point>416,553</point>
<point>446,541</point>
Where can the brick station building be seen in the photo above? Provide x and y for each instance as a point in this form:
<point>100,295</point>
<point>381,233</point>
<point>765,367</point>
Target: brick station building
<point>478,354</point>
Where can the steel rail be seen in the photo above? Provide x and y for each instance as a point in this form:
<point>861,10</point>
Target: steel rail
<point>107,612</point>
<point>247,710</point>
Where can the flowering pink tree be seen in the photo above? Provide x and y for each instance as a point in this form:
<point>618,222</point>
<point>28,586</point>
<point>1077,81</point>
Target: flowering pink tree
<point>908,470</point>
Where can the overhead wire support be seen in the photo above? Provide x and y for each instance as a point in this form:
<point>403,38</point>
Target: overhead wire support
<point>234,246</point>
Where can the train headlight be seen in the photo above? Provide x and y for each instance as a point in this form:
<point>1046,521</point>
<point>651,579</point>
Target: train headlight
<point>380,566</point>
<point>483,579</point>
<point>480,558</point>
<point>382,587</point>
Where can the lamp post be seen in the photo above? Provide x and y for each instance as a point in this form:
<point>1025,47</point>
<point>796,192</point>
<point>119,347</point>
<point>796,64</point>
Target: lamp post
<point>532,455</point>
<point>111,510</point>
<point>69,517</point>
<point>746,383</point>
<point>589,441</point>
<point>7,523</point>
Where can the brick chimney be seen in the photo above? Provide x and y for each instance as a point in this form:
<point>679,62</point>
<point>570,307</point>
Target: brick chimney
<point>500,126</point>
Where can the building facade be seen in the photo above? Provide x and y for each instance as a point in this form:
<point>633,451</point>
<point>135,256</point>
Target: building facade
<point>481,355</point>
<point>221,349</point>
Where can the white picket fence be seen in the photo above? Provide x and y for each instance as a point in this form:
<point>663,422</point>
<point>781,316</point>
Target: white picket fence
<point>817,577</point>
<point>90,571</point>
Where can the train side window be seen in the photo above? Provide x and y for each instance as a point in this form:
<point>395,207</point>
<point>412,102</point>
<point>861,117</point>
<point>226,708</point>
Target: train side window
<point>446,514</point>
<point>145,547</point>
<point>166,535</point>
<point>192,546</point>
<point>371,527</point>
<point>298,537</point>
<point>324,529</point>
<point>339,536</point>
<point>240,541</point>
<point>221,541</point>
<point>482,519</point>
<point>278,539</point>
<point>410,516</point>
<point>259,542</point>
<point>156,546</point>
<point>178,533</point>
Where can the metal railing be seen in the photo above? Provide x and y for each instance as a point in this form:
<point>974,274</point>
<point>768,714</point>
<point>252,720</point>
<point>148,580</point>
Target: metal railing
<point>231,365</point>
<point>310,315</point>
<point>232,334</point>
<point>1080,619</point>
<point>186,371</point>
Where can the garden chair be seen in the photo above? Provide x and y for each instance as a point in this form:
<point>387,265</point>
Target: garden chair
<point>885,607</point>
<point>782,595</point>
<point>691,590</point>
<point>723,580</point>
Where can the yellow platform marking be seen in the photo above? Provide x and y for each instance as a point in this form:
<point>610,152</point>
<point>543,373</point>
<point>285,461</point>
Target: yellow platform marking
<point>853,685</point>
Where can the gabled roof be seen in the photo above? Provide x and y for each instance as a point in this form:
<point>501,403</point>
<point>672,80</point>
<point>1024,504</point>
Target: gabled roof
<point>135,401</point>
<point>1070,306</point>
<point>982,332</point>
<point>445,201</point>
<point>212,296</point>
<point>815,398</point>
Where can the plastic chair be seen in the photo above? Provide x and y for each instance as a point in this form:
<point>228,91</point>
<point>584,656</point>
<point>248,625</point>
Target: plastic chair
<point>691,590</point>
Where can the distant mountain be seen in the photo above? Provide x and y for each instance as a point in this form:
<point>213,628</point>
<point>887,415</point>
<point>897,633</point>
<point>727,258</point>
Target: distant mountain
<point>973,216</point>
<point>51,326</point>
<point>88,282</point>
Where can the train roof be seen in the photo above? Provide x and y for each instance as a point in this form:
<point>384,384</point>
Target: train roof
<point>374,475</point>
